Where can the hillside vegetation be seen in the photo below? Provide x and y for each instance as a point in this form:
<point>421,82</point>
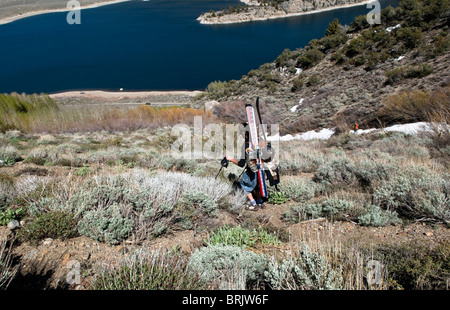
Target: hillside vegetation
<point>98,187</point>
<point>352,72</point>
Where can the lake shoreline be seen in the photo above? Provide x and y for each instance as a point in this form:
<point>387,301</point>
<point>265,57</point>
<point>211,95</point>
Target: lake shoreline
<point>203,20</point>
<point>170,97</point>
<point>13,18</point>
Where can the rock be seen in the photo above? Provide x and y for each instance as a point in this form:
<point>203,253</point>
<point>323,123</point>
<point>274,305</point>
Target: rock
<point>121,249</point>
<point>428,233</point>
<point>65,259</point>
<point>258,10</point>
<point>211,104</point>
<point>47,241</point>
<point>13,224</point>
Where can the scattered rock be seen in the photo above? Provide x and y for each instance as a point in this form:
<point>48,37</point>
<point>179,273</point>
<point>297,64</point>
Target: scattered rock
<point>65,258</point>
<point>211,104</point>
<point>47,241</point>
<point>13,224</point>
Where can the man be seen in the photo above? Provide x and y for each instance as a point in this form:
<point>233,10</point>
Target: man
<point>249,180</point>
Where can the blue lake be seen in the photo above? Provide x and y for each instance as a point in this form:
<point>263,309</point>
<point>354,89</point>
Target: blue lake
<point>148,45</point>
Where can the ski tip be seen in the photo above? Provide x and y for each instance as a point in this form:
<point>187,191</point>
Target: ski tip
<point>248,105</point>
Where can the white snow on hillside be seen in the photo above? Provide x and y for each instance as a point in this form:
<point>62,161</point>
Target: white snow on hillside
<point>295,107</point>
<point>326,133</point>
<point>389,29</point>
<point>323,134</point>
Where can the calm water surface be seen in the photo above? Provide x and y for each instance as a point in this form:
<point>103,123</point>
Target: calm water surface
<point>147,45</point>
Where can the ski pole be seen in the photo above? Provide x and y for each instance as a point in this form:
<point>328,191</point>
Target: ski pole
<point>223,163</point>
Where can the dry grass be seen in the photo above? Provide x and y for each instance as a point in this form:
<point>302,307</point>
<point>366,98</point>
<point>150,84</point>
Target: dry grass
<point>40,114</point>
<point>322,238</point>
<point>416,106</point>
<point>7,269</point>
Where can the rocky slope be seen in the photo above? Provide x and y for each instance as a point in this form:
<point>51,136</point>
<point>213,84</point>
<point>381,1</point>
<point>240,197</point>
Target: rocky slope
<point>348,74</point>
<point>262,10</point>
<point>11,10</point>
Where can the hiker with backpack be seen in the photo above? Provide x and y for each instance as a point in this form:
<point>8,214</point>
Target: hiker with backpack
<point>248,180</point>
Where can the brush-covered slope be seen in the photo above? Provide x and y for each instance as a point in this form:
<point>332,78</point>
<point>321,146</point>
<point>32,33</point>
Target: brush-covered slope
<point>350,73</point>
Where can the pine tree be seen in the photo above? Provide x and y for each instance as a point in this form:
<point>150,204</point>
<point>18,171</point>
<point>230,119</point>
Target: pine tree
<point>333,27</point>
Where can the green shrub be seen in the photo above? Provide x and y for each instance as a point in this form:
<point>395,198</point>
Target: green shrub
<point>416,193</point>
<point>54,224</point>
<point>359,23</point>
<point>238,236</point>
<point>106,225</point>
<point>236,267</point>
<point>285,59</point>
<point>150,205</point>
<point>375,216</point>
<point>277,197</point>
<point>408,72</point>
<point>193,205</point>
<point>313,80</point>
<point>333,27</point>
<point>417,266</point>
<point>299,189</point>
<point>83,171</point>
<point>310,58</point>
<point>232,236</point>
<point>338,170</point>
<point>7,190</point>
<point>304,161</point>
<point>307,271</point>
<point>8,156</point>
<point>11,214</point>
<point>302,212</point>
<point>298,83</point>
<point>332,208</point>
<point>16,110</point>
<point>410,36</point>
<point>355,47</point>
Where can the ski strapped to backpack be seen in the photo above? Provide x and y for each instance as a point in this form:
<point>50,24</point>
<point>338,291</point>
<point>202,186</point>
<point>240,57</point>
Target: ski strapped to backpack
<point>267,154</point>
<point>256,147</point>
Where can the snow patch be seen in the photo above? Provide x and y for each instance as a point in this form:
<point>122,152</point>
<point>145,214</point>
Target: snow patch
<point>411,128</point>
<point>323,134</point>
<point>295,107</point>
<point>389,29</point>
<point>326,133</point>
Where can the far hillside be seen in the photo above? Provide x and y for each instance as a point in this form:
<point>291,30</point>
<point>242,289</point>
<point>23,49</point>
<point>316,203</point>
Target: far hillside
<point>393,72</point>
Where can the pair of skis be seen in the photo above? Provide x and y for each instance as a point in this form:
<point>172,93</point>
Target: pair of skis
<point>257,144</point>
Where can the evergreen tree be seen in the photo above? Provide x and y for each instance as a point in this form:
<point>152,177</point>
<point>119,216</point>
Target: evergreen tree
<point>333,28</point>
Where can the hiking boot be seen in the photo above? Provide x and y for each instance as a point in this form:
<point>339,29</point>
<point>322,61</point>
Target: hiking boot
<point>251,207</point>
<point>260,204</point>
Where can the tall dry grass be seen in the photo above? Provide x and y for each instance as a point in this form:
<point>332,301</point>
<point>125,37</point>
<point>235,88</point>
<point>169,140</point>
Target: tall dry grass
<point>415,106</point>
<point>41,114</point>
<point>7,269</point>
<point>354,262</point>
